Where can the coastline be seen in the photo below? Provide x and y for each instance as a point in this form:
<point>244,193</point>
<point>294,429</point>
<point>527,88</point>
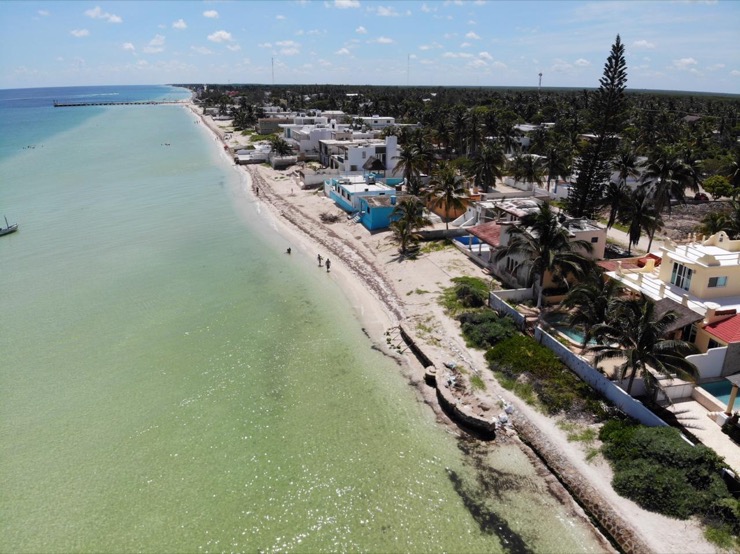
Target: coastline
<point>385,291</point>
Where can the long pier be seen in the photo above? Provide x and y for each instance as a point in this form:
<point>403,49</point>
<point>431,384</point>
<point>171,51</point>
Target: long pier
<point>146,103</point>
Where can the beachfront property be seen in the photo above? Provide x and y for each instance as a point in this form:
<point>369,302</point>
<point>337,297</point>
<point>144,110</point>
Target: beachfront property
<point>487,223</point>
<point>700,280</point>
<point>271,125</point>
<point>352,157</point>
<point>366,200</point>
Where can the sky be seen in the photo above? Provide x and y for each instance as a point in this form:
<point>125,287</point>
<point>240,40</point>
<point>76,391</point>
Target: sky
<point>691,45</point>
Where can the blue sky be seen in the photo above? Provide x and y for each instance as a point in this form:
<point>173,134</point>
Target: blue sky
<point>672,45</point>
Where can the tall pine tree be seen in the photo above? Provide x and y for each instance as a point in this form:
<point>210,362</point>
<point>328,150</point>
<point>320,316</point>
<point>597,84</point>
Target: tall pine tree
<point>608,108</point>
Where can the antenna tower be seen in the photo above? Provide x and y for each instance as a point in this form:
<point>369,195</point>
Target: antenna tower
<point>273,70</point>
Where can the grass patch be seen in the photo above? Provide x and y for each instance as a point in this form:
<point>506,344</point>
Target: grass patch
<point>477,383</point>
<point>417,291</point>
<point>522,390</point>
<point>257,138</point>
<point>466,293</point>
<point>436,246</point>
<point>558,389</point>
<point>722,536</point>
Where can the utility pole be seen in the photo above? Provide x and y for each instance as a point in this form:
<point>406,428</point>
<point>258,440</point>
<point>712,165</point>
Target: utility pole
<point>408,68</point>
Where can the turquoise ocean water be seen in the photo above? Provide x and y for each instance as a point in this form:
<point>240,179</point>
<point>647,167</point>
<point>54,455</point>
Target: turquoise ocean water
<point>170,381</point>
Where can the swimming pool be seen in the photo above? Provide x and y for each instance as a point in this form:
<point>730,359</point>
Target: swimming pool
<point>469,240</point>
<point>719,389</point>
<point>559,322</point>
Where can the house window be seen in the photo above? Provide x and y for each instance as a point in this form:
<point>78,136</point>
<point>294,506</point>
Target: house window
<point>353,168</point>
<point>364,154</point>
<point>681,276</point>
<point>594,240</point>
<point>689,333</point>
<point>717,282</point>
<point>713,344</point>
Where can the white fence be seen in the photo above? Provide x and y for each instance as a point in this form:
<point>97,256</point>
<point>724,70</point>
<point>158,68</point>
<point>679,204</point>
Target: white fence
<point>618,397</point>
<point>497,301</point>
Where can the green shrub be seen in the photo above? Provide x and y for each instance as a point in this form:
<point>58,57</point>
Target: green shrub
<point>557,388</point>
<point>466,293</point>
<point>661,472</point>
<point>486,328</point>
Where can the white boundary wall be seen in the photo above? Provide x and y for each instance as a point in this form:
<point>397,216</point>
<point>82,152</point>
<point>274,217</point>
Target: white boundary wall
<point>497,301</point>
<point>579,366</point>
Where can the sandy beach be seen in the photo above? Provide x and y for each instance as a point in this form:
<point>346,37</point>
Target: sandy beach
<point>386,290</point>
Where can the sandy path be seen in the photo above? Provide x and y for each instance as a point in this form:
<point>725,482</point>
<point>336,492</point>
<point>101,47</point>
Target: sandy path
<point>385,290</point>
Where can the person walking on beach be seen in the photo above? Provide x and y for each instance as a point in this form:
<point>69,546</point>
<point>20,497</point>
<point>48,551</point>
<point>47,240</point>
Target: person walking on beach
<point>320,258</point>
<point>328,264</point>
<point>288,250</point>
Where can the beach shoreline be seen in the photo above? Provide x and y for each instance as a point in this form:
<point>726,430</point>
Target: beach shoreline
<point>386,290</point>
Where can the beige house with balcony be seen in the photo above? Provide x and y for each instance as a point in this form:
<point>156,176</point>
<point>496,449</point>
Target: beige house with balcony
<point>703,276</point>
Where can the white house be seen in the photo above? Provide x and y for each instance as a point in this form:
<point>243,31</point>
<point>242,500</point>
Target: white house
<point>354,157</point>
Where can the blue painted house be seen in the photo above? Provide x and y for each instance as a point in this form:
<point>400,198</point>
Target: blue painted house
<point>376,211</point>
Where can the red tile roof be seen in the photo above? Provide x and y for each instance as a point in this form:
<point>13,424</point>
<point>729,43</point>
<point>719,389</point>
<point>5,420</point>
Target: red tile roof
<point>727,330</point>
<point>490,232</point>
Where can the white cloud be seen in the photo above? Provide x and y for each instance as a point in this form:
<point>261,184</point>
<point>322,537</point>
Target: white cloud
<point>155,45</point>
<point>560,66</point>
<point>465,45</point>
<point>382,40</point>
<point>430,46</point>
<point>342,52</point>
<point>97,13</point>
<point>288,47</point>
<point>265,45</point>
<point>735,73</point>
<point>344,4</point>
<point>361,30</point>
<point>211,14</point>
<point>477,63</point>
<point>233,47</point>
<point>580,62</point>
<point>79,33</point>
<point>427,9</point>
<point>499,65</point>
<point>643,44</point>
<point>457,55</point>
<point>128,46</point>
<point>471,35</point>
<point>44,13</point>
<point>684,63</point>
<point>472,22</point>
<point>220,36</point>
<point>201,50</point>
<point>316,32</point>
<point>485,56</point>
<point>716,66</point>
<point>384,11</point>
<point>280,17</point>
<point>180,24</point>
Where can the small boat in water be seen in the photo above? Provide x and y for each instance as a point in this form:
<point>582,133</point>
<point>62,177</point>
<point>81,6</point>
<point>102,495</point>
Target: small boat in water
<point>8,228</point>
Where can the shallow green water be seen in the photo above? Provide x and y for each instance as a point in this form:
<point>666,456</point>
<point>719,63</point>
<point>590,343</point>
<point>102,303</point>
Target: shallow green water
<point>171,381</point>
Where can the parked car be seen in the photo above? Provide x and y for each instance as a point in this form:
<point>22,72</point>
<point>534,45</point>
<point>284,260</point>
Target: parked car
<point>701,198</point>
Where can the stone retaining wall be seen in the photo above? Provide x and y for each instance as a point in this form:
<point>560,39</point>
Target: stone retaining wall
<point>591,500</point>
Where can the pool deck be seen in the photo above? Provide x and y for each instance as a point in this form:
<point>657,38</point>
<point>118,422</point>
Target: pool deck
<point>696,418</point>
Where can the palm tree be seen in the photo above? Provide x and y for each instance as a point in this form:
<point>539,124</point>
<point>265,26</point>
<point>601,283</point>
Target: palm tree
<point>669,177</point>
<point>280,147</point>
<point>447,191</point>
<point>557,164</point>
<point>407,217</point>
<point>411,162</point>
<point>528,168</point>
<point>640,213</point>
<point>616,195</point>
<point>545,247</point>
<point>625,164</point>
<point>590,301</point>
<point>488,167</point>
<point>732,171</point>
<point>637,335</point>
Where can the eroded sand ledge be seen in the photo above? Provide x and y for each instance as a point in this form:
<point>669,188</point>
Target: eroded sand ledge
<point>386,290</point>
